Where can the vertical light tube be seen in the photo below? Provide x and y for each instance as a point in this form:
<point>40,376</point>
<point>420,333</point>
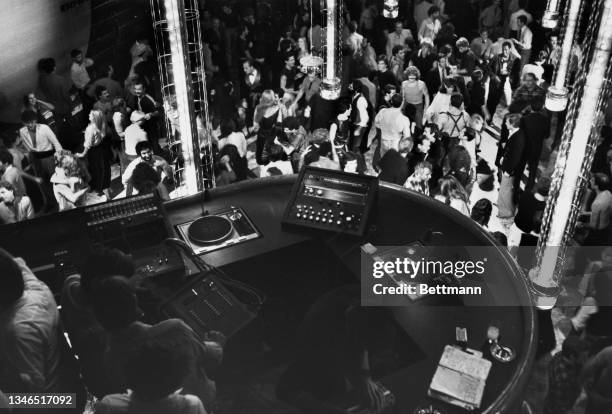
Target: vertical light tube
<point>181,74</point>
<point>556,97</point>
<point>567,184</point>
<point>550,20</point>
<point>330,87</point>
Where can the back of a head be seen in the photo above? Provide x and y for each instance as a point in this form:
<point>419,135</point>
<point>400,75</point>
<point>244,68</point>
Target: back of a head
<point>104,262</point>
<point>114,303</point>
<point>397,100</point>
<point>481,212</point>
<point>11,282</point>
<point>144,178</point>
<point>602,181</point>
<point>542,186</point>
<point>456,100</point>
<point>156,369</point>
<point>277,153</point>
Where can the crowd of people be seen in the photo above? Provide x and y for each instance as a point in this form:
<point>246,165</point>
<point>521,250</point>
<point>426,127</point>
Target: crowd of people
<point>417,96</point>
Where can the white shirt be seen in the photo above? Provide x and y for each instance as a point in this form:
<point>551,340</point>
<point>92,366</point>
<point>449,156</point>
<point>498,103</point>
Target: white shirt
<point>78,73</point>
<point>284,166</point>
<point>354,40</point>
<point>45,139</point>
<point>393,124</point>
<point>238,140</point>
<point>537,70</point>
<point>525,38</point>
<point>362,107</point>
<point>133,135</point>
<point>429,29</point>
<point>158,163</point>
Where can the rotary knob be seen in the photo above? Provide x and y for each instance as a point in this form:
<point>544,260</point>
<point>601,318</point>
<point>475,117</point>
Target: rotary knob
<point>319,192</point>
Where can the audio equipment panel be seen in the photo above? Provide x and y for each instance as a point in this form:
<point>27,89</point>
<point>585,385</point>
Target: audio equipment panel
<point>331,200</point>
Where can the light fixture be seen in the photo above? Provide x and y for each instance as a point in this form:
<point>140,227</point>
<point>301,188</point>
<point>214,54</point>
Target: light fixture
<point>391,9</point>
<point>331,86</point>
<point>556,99</point>
<point>550,20</point>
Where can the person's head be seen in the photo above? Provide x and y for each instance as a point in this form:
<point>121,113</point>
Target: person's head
<point>216,23</point>
<point>6,159</point>
<point>575,348</point>
<point>291,125</point>
<point>104,262</point>
<point>344,109</point>
<point>462,44</point>
<point>29,100</point>
<point>398,51</point>
<point>46,65</point>
<point>389,90</point>
<point>118,105</point>
<point>396,100</point>
<point>115,304</point>
<point>70,165</point>
<point>431,131</point>
<point>449,86</point>
<point>145,150</point>
<point>137,117</point>
<point>600,182</point>
<point>500,238</point>
<point>456,100</point>
<point>405,145</point>
<point>156,369</point>
<point>382,63</point>
<point>144,178</point>
<point>521,21</point>
<point>277,153</point>
<point>537,105</point>
<point>29,119</point>
<point>268,98</point>
<point>273,171</point>
<point>484,34</point>
<point>139,88</point>
<point>77,56</point>
<point>451,188</point>
<point>423,170</point>
<point>12,285</point>
<point>290,60</point>
<point>353,26</point>
<point>107,70</point>
<point>7,192</point>
<point>513,121</point>
<point>529,80</point>
<point>247,66</point>
<point>354,163</point>
<point>506,48</point>
<point>97,118</point>
<point>357,87</point>
<point>412,73</point>
<point>399,26</point>
<point>481,212</point>
<point>227,127</point>
<point>433,12</point>
<point>553,40</point>
<point>102,93</point>
<point>477,123</point>
<point>422,144</point>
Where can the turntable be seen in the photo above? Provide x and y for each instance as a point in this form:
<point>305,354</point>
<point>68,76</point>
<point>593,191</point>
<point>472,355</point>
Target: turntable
<point>215,231</point>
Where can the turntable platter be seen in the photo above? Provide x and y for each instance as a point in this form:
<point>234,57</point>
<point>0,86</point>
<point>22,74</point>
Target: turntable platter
<point>210,230</point>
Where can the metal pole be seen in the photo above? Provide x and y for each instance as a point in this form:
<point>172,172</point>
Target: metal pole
<point>550,20</point>
<point>572,166</point>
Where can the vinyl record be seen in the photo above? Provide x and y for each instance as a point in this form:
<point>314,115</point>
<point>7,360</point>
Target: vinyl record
<point>210,230</point>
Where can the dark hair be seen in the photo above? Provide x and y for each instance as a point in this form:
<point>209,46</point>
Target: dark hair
<point>227,127</point>
<point>46,65</point>
<point>500,238</point>
<point>277,153</point>
<point>432,10</point>
<point>11,282</point>
<point>537,105</point>
<point>432,127</point>
<point>542,187</point>
<point>382,58</point>
<point>397,100</point>
<point>273,171</point>
<point>156,369</point>
<point>514,119</point>
<point>522,19</point>
<point>389,87</point>
<point>75,52</point>
<point>343,106</point>
<point>396,49</point>
<point>352,156</point>
<point>508,44</point>
<point>104,262</point>
<point>144,178</point>
<point>291,123</point>
<point>481,212</point>
<point>456,100</point>
<point>143,145</point>
<point>5,156</point>
<point>114,303</point>
<point>6,185</point>
<point>139,81</point>
<point>353,26</point>
<point>237,162</point>
<point>448,82</point>
<point>357,86</point>
<point>445,51</point>
<point>99,89</point>
<point>602,181</point>
<point>531,75</point>
<point>28,116</point>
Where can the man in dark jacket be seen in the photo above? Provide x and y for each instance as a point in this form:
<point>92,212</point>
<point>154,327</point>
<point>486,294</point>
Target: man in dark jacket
<point>537,129</point>
<point>512,163</point>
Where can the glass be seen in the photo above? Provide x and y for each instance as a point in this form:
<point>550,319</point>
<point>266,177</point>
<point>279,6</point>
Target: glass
<point>499,352</point>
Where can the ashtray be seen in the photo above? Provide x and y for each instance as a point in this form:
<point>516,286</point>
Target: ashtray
<point>502,353</point>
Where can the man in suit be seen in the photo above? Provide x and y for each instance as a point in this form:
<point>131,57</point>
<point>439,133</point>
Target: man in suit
<point>494,89</point>
<point>512,163</point>
<point>536,125</point>
<point>505,66</point>
<point>435,77</point>
<point>139,100</point>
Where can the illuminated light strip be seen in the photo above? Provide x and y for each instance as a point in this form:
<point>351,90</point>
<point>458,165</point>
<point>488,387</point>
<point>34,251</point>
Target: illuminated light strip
<point>330,87</point>
<point>192,181</point>
<point>560,214</point>
<point>550,20</point>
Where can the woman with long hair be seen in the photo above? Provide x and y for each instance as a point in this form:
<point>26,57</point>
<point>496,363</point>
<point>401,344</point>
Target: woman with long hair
<point>452,193</point>
<point>303,48</point>
<point>268,116</point>
<point>96,149</point>
<point>13,207</point>
<point>69,181</point>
